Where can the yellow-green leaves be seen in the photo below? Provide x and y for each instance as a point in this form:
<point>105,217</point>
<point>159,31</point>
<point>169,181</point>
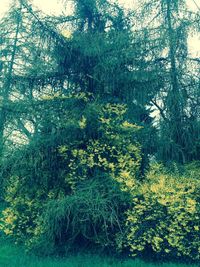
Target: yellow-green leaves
<point>107,152</point>
<point>82,122</point>
<point>114,153</point>
<point>165,216</point>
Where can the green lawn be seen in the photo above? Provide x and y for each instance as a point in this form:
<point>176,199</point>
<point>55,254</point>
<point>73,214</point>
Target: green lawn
<point>13,256</point>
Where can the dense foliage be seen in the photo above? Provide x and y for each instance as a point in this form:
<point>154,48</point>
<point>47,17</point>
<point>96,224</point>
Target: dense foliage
<point>165,216</point>
<point>88,101</point>
<point>89,197</point>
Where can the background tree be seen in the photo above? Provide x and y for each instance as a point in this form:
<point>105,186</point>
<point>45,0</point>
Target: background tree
<point>167,30</point>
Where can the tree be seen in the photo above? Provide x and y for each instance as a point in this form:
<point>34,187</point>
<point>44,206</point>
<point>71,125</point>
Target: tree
<point>9,51</point>
<point>169,28</point>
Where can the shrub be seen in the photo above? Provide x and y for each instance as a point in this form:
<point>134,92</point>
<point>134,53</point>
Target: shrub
<point>21,214</point>
<point>92,216</point>
<point>165,216</point>
<point>51,181</point>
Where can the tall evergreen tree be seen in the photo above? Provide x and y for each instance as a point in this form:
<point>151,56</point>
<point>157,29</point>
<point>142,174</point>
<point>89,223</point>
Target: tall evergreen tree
<point>167,29</point>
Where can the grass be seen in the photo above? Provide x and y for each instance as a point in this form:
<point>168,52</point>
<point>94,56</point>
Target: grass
<point>13,256</point>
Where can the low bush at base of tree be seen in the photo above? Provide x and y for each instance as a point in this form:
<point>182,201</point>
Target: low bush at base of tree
<point>85,199</point>
<point>165,214</point>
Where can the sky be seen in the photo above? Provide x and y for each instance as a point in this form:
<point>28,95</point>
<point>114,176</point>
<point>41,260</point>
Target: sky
<point>56,7</point>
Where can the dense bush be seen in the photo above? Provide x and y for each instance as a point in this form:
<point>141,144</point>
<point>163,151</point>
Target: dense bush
<point>165,216</point>
<point>77,187</point>
<point>81,187</point>
<point>91,217</point>
<point>19,217</point>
